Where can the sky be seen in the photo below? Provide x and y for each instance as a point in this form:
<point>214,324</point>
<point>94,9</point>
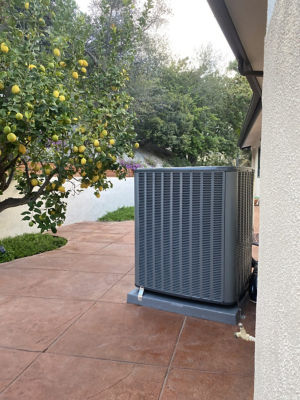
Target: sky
<point>191,26</point>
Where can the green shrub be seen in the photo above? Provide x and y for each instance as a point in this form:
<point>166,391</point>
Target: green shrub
<point>28,245</point>
<point>121,214</point>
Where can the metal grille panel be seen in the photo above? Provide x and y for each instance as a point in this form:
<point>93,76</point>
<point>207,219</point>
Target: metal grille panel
<point>244,227</point>
<point>180,229</point>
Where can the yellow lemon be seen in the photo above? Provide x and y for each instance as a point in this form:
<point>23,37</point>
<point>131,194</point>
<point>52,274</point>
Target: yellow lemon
<point>31,66</point>
<point>96,143</point>
<point>83,70</point>
<point>83,173</point>
<point>126,106</point>
<point>62,98</point>
<point>53,185</point>
<point>75,74</point>
<point>101,188</point>
<point>62,64</point>
<point>112,142</point>
<point>99,164</point>
<point>26,5</point>
<point>11,137</point>
<point>56,93</point>
<point>34,182</point>
<point>22,149</point>
<point>80,62</point>
<point>4,48</point>
<point>85,63</point>
<point>98,149</point>
<point>83,161</point>
<point>103,133</point>
<point>97,195</point>
<point>1,85</point>
<point>6,129</point>
<point>56,52</point>
<point>136,145</point>
<point>75,149</point>
<point>48,171</point>
<point>19,116</point>
<point>61,189</point>
<point>42,68</point>
<point>95,178</point>
<point>15,89</point>
<point>55,138</point>
<point>81,148</point>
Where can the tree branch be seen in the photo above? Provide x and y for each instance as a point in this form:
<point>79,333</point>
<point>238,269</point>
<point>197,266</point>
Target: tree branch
<point>92,57</point>
<point>10,178</point>
<point>32,196</point>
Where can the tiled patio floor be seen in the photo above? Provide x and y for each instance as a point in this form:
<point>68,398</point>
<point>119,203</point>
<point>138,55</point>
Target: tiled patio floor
<point>66,332</point>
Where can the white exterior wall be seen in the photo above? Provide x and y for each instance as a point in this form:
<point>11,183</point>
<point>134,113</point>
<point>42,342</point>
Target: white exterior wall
<point>277,358</point>
<point>256,189</point>
<point>83,207</point>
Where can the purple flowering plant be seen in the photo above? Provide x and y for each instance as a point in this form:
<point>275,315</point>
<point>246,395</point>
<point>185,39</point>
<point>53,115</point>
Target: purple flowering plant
<point>130,165</point>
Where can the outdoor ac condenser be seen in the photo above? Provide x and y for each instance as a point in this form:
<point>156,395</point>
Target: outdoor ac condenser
<point>193,232</point>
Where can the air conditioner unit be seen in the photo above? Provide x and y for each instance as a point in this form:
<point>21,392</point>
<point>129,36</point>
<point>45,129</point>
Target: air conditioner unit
<point>193,232</point>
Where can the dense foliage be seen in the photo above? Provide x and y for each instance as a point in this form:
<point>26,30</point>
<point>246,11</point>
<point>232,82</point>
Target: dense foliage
<point>63,101</point>
<point>193,110</point>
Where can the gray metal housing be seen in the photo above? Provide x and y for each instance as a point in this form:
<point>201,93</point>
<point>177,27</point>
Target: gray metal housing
<point>193,232</point>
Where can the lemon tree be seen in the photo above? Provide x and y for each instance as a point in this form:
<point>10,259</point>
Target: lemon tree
<point>64,108</point>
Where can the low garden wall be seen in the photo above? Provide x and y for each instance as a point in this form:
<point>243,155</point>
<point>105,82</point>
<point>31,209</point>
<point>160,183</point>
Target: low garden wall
<point>82,207</point>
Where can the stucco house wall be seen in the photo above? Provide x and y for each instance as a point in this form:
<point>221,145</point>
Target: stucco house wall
<point>277,353</point>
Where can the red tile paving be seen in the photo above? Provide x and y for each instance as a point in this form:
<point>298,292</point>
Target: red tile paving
<point>13,363</point>
<point>185,384</point>
<point>209,347</point>
<point>57,377</point>
<point>122,332</point>
<point>66,332</point>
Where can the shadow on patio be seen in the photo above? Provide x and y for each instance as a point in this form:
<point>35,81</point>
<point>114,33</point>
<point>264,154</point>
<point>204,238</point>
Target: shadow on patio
<point>66,331</point>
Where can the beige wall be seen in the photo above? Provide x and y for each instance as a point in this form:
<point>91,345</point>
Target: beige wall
<point>277,359</point>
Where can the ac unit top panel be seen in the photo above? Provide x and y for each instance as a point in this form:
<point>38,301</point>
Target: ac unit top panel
<point>194,169</point>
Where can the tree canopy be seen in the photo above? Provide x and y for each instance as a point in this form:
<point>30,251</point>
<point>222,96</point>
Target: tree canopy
<point>75,90</point>
<point>191,109</point>
<point>63,102</point>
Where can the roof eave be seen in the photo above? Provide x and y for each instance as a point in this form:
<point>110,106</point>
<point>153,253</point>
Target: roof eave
<point>223,17</point>
<point>252,114</point>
